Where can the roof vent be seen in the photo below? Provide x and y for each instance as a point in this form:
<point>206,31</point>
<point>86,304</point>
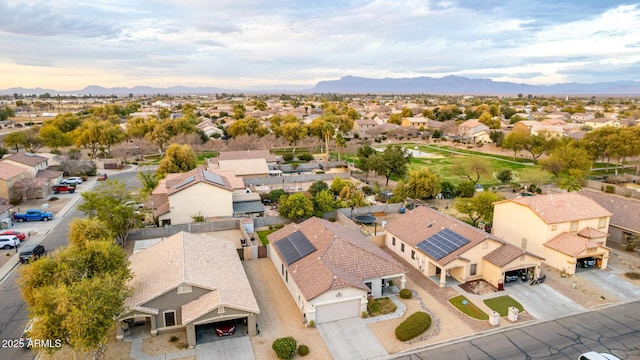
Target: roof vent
<point>429,224</point>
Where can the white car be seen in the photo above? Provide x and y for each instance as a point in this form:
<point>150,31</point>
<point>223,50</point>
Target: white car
<point>72,181</point>
<point>592,355</point>
<point>9,241</point>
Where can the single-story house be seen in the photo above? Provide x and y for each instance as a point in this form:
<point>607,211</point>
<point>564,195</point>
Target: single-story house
<point>625,219</point>
<point>331,270</point>
<point>188,281</point>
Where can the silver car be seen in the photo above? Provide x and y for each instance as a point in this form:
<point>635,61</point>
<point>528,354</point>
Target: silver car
<point>9,241</point>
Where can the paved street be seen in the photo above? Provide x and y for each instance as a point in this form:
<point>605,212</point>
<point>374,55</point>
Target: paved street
<point>615,330</point>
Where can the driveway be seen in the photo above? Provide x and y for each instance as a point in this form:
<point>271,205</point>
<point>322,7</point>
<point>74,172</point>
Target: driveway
<point>351,339</point>
<point>610,282</point>
<point>542,301</point>
<point>233,348</point>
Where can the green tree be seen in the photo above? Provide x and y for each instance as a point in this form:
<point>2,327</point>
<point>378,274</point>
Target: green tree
<point>570,183</point>
<point>296,207</point>
<point>293,132</point>
<point>471,168</point>
<point>497,137</point>
<point>406,112</point>
<point>395,119</point>
<point>106,202</point>
<point>567,158</point>
<point>15,139</point>
<point>400,192</point>
<point>6,113</point>
<point>478,207</point>
<point>337,185</point>
<point>324,201</point>
<point>516,141</point>
<point>393,161</point>
<point>177,159</point>
<point>466,189</point>
<point>276,194</point>
<point>341,143</point>
<point>53,138</point>
<point>448,190</point>
<point>423,184</point>
<point>148,180</point>
<point>317,186</point>
<point>364,153</point>
<point>505,175</point>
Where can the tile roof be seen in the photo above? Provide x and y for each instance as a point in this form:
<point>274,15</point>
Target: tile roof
<point>197,260</point>
<point>625,210</point>
<point>27,158</point>
<point>561,207</point>
<point>8,171</point>
<point>343,258</point>
<point>245,167</point>
<point>180,181</point>
<point>591,233</point>
<point>570,244</point>
<point>505,254</point>
<point>423,222</point>
<point>49,174</point>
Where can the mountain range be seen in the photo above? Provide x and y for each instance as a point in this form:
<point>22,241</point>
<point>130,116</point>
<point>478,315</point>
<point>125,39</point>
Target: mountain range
<point>449,85</point>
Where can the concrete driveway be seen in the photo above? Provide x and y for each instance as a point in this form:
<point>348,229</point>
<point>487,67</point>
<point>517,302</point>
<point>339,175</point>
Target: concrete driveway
<point>610,282</point>
<point>351,339</point>
<point>233,348</point>
<point>542,301</point>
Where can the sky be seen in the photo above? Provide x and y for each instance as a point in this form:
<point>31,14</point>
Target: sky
<point>239,44</point>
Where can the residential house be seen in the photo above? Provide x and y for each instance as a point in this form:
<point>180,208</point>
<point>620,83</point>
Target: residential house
<point>580,118</point>
<point>536,127</point>
<point>31,162</point>
<point>9,176</point>
<point>208,127</point>
<point>601,122</point>
<point>362,126</point>
<point>474,130</point>
<point>440,246</point>
<point>191,282</point>
<point>197,194</point>
<point>330,270</point>
<point>562,228</point>
<point>624,222</point>
<point>416,122</point>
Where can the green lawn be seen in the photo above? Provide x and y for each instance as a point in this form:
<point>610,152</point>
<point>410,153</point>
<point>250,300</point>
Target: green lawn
<point>470,309</point>
<point>380,306</point>
<point>501,304</point>
<point>263,235</point>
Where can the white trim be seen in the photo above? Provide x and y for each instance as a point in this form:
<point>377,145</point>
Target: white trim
<point>175,318</point>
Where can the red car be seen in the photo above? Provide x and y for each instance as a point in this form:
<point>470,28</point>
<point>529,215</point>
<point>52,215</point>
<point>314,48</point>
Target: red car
<point>17,234</point>
<point>226,328</point>
<point>102,177</point>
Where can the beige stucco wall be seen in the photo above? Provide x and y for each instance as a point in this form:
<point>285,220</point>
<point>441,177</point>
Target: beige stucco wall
<point>335,296</point>
<point>207,200</point>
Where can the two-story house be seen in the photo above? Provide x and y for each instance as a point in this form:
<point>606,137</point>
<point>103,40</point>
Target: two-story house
<point>563,228</point>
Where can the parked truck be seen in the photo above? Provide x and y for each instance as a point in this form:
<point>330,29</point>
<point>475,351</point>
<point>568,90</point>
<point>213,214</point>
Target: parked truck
<point>33,215</point>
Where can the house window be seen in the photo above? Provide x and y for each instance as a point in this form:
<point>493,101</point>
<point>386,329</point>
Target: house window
<point>184,289</point>
<point>402,247</point>
<point>282,270</point>
<point>169,318</point>
<point>602,222</point>
<point>393,241</point>
<point>413,254</point>
<point>473,269</point>
<point>286,276</point>
<point>574,226</point>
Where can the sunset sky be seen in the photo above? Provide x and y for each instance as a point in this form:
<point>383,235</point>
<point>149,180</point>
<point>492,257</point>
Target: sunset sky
<point>67,45</point>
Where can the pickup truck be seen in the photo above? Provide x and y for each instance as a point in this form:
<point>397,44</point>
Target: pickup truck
<point>33,215</point>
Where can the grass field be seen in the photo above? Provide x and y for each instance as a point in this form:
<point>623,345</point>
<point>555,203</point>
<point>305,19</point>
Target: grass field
<point>467,307</point>
<point>501,304</point>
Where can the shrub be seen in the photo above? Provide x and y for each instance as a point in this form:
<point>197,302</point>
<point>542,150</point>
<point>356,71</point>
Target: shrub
<point>287,157</point>
<point>305,157</point>
<point>173,339</point>
<point>413,326</point>
<point>182,345</point>
<point>303,350</point>
<point>285,347</point>
<point>405,294</point>
<point>54,198</point>
<point>609,189</point>
<point>312,323</point>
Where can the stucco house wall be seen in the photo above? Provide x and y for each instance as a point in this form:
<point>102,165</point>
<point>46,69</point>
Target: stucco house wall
<point>200,199</point>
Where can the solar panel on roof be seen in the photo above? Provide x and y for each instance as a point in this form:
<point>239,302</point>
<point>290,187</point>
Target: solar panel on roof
<point>214,178</point>
<point>442,244</point>
<point>186,181</point>
<point>294,247</point>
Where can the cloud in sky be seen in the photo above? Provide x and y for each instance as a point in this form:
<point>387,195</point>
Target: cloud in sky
<point>67,45</point>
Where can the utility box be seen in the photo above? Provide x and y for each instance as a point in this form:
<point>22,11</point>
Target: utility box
<point>494,318</point>
<point>513,314</point>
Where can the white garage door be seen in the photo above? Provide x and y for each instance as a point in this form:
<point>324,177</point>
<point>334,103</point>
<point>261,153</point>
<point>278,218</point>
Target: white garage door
<point>337,311</point>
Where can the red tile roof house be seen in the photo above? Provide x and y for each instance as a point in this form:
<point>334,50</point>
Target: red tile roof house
<point>188,281</point>
<point>563,228</point>
<point>441,246</point>
<point>330,270</point>
<point>625,221</point>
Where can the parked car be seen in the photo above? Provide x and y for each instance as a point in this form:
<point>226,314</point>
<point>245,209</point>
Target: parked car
<point>72,180</point>
<point>134,204</point>
<point>226,328</point>
<point>587,262</point>
<point>510,276</point>
<point>31,252</point>
<point>592,355</point>
<point>58,188</point>
<point>9,241</point>
<point>102,177</point>
<point>33,215</point>
<point>17,234</point>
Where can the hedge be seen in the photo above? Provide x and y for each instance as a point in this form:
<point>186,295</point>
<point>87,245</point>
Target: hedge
<point>413,326</point>
<point>405,294</point>
<point>303,350</point>
<point>285,347</point>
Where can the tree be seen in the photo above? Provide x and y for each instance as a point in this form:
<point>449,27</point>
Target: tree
<point>296,207</point>
<point>541,143</point>
<point>515,141</point>
<point>505,175</point>
<point>337,185</point>
<point>341,143</point>
<point>395,119</point>
<point>16,139</point>
<point>275,195</point>
<point>497,137</point>
<point>148,180</point>
<point>75,293</point>
<point>423,184</point>
<point>393,161</point>
<point>177,159</point>
<point>293,132</point>
<point>471,168</point>
<point>53,138</point>
<point>570,183</point>
<point>534,175</point>
<point>324,128</point>
<point>6,113</point>
<point>465,189</point>
<point>478,207</point>
<point>107,203</point>
<point>324,201</point>
<point>448,190</point>
<point>364,153</point>
<point>318,186</point>
<point>567,158</point>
